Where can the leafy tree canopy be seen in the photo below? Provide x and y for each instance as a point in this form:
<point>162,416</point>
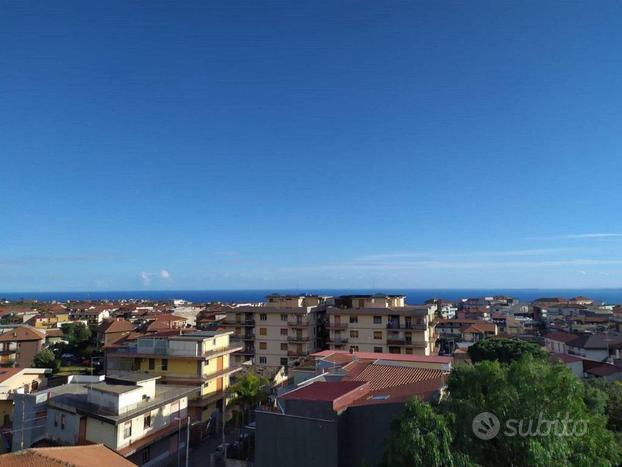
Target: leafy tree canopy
<point>504,350</point>
<point>46,359</point>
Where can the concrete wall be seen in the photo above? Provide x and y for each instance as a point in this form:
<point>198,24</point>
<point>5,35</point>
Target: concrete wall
<point>285,441</point>
<point>363,432</point>
<point>63,432</point>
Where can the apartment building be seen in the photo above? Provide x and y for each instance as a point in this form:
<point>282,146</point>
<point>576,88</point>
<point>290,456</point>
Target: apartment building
<point>18,346</point>
<point>381,323</point>
<point>277,333</point>
<point>199,358</point>
<point>18,381</point>
<point>143,421</point>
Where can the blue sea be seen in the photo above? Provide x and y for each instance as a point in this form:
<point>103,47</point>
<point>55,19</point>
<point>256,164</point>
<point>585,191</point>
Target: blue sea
<point>414,296</point>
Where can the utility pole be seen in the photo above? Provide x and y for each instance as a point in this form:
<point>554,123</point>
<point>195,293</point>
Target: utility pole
<point>224,438</point>
<point>187,441</point>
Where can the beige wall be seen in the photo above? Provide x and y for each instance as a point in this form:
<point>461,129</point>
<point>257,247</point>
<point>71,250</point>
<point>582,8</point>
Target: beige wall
<point>360,333</point>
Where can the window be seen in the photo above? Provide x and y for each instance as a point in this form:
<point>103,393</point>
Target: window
<point>377,334</point>
<point>127,430</point>
<point>377,319</point>
<point>283,346</point>
<point>378,349</point>
<point>354,319</point>
<point>263,345</point>
<point>354,333</point>
<point>408,350</point>
<point>263,331</point>
<point>55,419</point>
<point>152,364</point>
<point>147,421</point>
<point>62,422</point>
<point>263,317</point>
<point>284,361</point>
<point>354,348</point>
<point>262,360</point>
<point>284,332</point>
<point>283,317</point>
<point>146,455</point>
<point>164,364</point>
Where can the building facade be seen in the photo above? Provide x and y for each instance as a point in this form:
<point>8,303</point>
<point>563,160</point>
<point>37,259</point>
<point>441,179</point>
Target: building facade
<point>381,324</point>
<point>200,359</point>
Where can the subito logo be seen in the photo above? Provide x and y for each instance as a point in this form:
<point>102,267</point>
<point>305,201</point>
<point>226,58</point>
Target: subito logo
<point>486,426</point>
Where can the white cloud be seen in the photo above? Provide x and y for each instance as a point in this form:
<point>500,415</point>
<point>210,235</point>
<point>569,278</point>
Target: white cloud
<point>145,278</point>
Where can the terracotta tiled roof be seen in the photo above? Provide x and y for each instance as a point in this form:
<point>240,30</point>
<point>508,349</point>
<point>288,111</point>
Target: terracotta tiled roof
<point>385,376</point>
<point>479,327</point>
<point>22,333</point>
<point>6,373</point>
<point>65,456</point>
<point>164,317</point>
<point>560,336</point>
<point>120,325</point>
<point>331,356</point>
<point>323,391</point>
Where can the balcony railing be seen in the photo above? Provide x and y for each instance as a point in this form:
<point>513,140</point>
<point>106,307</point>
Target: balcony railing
<point>407,326</point>
<point>295,353</point>
<point>158,353</point>
<point>338,340</point>
<point>240,322</point>
<point>338,326</point>
<point>298,338</point>
<point>298,324</point>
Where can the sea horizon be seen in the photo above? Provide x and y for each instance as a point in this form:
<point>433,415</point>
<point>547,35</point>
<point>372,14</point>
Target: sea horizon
<point>413,295</point>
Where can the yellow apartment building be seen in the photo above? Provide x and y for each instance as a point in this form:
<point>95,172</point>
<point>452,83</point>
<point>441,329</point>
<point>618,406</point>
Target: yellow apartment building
<point>377,325</point>
<point>201,359</point>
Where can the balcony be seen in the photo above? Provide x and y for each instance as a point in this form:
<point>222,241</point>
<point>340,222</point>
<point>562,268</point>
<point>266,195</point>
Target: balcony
<point>295,353</point>
<point>338,340</point>
<point>298,324</point>
<point>398,341</point>
<point>298,338</point>
<point>239,322</point>
<point>338,326</point>
<point>405,326</point>
<point>132,352</point>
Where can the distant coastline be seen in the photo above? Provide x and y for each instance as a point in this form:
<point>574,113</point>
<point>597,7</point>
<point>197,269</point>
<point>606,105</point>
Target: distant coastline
<point>413,296</point>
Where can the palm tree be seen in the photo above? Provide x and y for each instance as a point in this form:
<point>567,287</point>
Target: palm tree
<point>248,391</point>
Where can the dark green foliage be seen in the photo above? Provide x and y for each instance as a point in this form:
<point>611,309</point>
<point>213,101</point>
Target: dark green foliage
<point>46,359</point>
<point>504,350</point>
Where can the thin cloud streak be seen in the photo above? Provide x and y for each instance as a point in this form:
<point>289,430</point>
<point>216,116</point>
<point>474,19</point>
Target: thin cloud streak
<point>588,236</point>
<point>407,265</point>
<point>492,253</point>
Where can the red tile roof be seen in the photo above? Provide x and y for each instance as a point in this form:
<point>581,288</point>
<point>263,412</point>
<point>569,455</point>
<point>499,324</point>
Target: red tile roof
<point>6,373</point>
<point>324,391</point>
<point>22,333</point>
<point>120,325</point>
<point>384,376</point>
<point>560,336</point>
<point>330,355</point>
<point>65,456</point>
<point>479,327</point>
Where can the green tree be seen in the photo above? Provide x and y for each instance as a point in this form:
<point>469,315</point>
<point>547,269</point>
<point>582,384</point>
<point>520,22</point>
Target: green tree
<point>504,350</point>
<point>46,359</point>
<point>526,396</point>
<point>77,334</point>
<point>420,437</point>
<point>614,406</point>
<point>248,391</point>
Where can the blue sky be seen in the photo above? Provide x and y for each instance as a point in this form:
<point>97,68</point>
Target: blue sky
<point>310,144</point>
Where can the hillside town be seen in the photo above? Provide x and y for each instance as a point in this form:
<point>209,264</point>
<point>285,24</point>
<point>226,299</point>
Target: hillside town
<point>294,380</point>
